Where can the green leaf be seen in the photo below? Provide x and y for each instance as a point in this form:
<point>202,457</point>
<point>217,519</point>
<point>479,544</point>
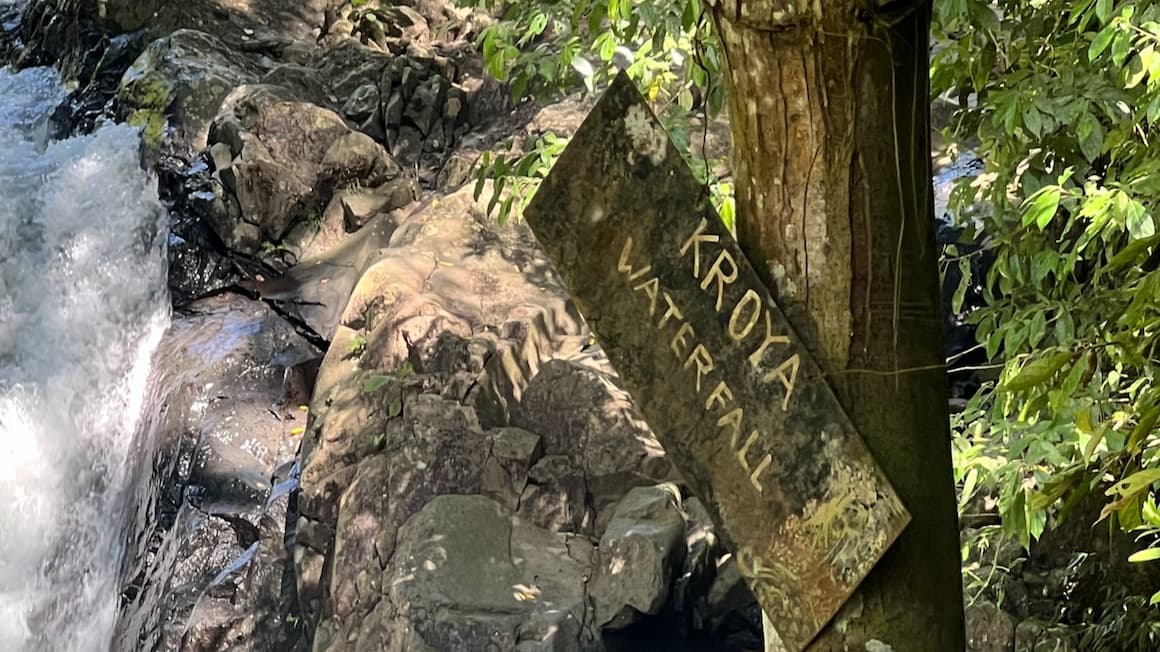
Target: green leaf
<point>964,284</point>
<point>538,24</point>
<point>1136,251</point>
<point>1121,47</point>
<point>519,87</point>
<point>1042,264</point>
<point>1043,208</point>
<point>1139,222</point>
<point>1101,42</point>
<point>1103,10</point>
<point>1150,60</point>
<point>1134,484</point>
<point>1147,424</point>
<point>970,481</point>
<point>1037,329</point>
<point>375,383</point>
<point>1135,72</point>
<point>1036,372</point>
<point>1091,136</point>
<point>1033,120</point>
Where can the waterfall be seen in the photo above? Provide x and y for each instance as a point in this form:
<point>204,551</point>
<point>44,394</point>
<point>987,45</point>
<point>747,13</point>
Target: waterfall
<point>83,305</point>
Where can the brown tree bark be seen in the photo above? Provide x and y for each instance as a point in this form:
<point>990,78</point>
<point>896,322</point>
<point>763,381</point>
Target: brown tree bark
<point>830,118</point>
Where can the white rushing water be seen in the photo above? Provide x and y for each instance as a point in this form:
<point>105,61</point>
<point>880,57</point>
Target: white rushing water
<point>82,307</point>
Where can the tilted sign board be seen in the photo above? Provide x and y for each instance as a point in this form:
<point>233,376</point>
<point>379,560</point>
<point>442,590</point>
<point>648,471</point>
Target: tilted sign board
<point>739,405</point>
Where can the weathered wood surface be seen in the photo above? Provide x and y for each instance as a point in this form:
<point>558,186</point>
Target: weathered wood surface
<point>739,405</point>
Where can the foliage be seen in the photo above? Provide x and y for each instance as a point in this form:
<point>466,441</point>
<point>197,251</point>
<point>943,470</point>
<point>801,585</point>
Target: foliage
<point>517,174</point>
<point>545,48</point>
<point>1062,97</point>
<point>542,46</point>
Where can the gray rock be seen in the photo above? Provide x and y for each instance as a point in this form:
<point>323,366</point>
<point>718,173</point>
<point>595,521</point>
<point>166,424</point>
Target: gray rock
<point>407,146</point>
<point>486,99</point>
<point>221,156</point>
<point>289,157</point>
<point>694,581</point>
<point>727,596</point>
<point>301,82</point>
<point>463,577</point>
<point>582,414</point>
<point>403,21</point>
<point>640,553</point>
<point>362,103</point>
<point>556,496</point>
<point>513,453</point>
<point>359,207</point>
<point>349,65</point>
<point>1038,636</point>
<point>425,107</point>
<point>989,629</point>
<point>393,110</point>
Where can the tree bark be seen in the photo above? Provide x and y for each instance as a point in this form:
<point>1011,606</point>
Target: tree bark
<point>829,110</point>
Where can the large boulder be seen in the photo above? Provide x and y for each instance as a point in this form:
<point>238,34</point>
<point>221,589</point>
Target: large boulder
<point>280,161</point>
<point>454,294</point>
<point>177,85</point>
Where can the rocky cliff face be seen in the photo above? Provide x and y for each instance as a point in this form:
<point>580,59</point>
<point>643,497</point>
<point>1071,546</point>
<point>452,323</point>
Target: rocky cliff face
<point>385,425</point>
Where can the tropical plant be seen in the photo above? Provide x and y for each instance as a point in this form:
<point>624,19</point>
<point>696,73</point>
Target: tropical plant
<point>1061,98</point>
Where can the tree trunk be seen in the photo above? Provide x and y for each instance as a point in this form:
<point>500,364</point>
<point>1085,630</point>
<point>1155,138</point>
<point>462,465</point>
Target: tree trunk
<point>830,119</point>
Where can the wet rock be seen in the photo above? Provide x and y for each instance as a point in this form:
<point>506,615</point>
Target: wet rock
<point>174,89</point>
<point>9,29</point>
<point>641,552</point>
<point>88,104</point>
<point>216,507</point>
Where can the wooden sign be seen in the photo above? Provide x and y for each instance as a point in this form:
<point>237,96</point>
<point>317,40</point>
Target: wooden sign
<point>739,405</point>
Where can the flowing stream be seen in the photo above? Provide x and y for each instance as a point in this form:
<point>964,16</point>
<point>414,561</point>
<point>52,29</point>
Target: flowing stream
<point>83,305</point>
